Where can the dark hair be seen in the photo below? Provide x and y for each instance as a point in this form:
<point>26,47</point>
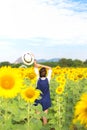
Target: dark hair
<point>42,72</point>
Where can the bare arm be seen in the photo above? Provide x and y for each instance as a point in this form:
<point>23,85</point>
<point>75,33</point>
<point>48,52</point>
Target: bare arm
<point>36,65</point>
<point>40,65</point>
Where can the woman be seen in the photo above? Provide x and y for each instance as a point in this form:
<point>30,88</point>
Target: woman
<point>43,73</point>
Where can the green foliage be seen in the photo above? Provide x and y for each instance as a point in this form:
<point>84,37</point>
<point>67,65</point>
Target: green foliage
<point>67,63</point>
<point>61,113</point>
<point>63,62</point>
<point>16,114</point>
<point>5,63</point>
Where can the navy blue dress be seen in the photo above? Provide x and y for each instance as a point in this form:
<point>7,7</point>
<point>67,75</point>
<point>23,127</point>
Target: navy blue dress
<point>45,101</point>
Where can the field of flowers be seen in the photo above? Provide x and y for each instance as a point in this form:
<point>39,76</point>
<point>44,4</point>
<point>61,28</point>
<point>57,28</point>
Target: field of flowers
<point>68,90</point>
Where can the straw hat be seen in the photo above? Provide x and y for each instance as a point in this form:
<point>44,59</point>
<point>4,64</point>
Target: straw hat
<point>28,59</point>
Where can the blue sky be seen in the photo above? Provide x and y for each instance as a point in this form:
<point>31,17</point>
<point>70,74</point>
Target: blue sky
<point>48,28</point>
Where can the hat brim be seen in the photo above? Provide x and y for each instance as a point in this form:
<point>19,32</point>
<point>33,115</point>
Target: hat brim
<point>28,62</point>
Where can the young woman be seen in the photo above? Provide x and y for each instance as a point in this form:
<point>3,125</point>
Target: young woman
<point>43,73</point>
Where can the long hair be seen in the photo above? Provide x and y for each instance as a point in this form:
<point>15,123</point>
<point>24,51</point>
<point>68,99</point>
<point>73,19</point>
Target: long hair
<point>43,72</point>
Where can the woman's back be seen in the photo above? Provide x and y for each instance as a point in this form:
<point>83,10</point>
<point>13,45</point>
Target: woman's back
<point>43,85</point>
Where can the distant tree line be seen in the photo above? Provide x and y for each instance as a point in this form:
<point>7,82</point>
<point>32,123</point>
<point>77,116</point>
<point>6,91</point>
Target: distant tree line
<point>6,63</point>
<point>62,63</point>
<point>67,63</point>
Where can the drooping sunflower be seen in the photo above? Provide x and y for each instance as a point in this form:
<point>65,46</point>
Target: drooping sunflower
<point>10,82</point>
<point>81,110</point>
<point>30,94</point>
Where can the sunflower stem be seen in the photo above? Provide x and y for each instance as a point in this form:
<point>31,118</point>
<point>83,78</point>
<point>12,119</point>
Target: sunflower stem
<point>6,111</point>
<point>28,115</point>
<point>1,100</point>
<point>58,105</point>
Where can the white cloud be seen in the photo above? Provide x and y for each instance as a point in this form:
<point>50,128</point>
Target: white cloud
<point>4,43</point>
<point>27,19</point>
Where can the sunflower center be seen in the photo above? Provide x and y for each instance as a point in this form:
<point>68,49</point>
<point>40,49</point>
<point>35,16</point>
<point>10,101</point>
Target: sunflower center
<point>86,110</point>
<point>30,93</point>
<point>59,89</point>
<point>7,82</point>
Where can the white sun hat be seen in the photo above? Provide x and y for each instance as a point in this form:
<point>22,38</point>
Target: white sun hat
<point>28,58</point>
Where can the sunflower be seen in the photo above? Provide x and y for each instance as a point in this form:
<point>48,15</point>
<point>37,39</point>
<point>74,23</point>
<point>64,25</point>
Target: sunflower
<point>81,110</point>
<point>59,78</point>
<point>30,94</point>
<point>10,82</point>
<point>30,73</point>
<point>60,89</point>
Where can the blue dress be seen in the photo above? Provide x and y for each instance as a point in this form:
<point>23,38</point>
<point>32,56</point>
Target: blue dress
<point>45,101</point>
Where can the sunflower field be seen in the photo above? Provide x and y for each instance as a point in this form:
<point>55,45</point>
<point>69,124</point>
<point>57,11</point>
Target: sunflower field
<point>68,91</point>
